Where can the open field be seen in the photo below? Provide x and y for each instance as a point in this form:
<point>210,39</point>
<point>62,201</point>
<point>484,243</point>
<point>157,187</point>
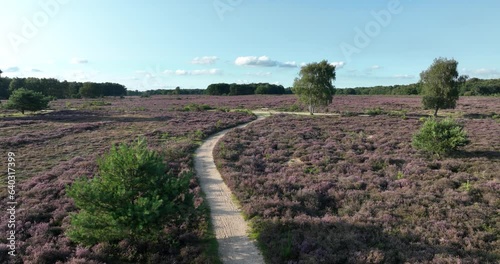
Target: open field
<point>330,189</point>
<point>466,106</point>
<point>52,150</point>
<point>312,185</point>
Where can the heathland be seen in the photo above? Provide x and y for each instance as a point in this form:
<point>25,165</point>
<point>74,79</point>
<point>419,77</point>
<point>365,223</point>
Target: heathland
<point>347,187</point>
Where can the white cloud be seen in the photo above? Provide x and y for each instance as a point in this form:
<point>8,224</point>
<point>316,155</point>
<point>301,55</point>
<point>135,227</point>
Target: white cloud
<point>404,76</point>
<point>375,67</point>
<point>194,72</point>
<point>12,69</point>
<point>259,74</point>
<point>204,60</point>
<point>338,64</point>
<point>482,73</point>
<point>169,72</point>
<point>263,61</point>
<point>79,61</point>
<point>289,64</point>
<point>206,72</point>
<point>181,72</point>
<point>35,70</point>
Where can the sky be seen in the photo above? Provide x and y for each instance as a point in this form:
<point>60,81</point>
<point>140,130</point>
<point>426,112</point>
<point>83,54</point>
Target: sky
<point>162,44</point>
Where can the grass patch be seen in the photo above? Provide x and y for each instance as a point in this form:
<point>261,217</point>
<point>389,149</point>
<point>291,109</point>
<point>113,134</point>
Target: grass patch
<point>375,111</point>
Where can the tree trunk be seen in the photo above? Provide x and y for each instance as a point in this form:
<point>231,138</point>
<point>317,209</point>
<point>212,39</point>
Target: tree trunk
<point>436,112</point>
<point>311,110</point>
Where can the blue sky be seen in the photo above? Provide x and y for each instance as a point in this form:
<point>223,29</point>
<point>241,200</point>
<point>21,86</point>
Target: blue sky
<point>193,43</point>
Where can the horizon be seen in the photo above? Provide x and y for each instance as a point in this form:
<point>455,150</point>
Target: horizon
<point>164,44</point>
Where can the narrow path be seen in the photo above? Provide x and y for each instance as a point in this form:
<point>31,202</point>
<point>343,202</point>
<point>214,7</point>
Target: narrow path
<point>230,228</point>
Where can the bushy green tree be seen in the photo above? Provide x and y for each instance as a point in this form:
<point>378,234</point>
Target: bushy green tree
<point>90,90</point>
<point>440,85</point>
<point>27,100</point>
<point>315,87</point>
<point>130,197</point>
<point>218,89</point>
<point>440,137</point>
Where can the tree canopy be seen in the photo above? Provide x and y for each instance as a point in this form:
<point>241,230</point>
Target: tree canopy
<point>244,89</point>
<point>440,85</point>
<point>27,100</point>
<point>315,85</point>
<point>131,197</point>
<point>57,89</point>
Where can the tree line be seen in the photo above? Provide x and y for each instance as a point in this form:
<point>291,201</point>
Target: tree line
<point>60,89</point>
<point>468,87</point>
<point>245,89</point>
<point>64,89</point>
<point>176,91</point>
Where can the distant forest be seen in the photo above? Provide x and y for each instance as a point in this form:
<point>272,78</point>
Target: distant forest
<point>471,87</point>
<point>57,89</point>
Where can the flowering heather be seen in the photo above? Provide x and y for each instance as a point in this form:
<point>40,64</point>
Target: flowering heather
<point>53,149</point>
<point>159,103</point>
<point>356,104</point>
<point>352,190</point>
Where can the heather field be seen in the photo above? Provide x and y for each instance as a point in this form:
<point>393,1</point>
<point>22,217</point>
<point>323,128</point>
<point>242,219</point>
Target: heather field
<point>351,189</point>
<point>55,148</point>
<point>330,189</point>
<point>470,106</point>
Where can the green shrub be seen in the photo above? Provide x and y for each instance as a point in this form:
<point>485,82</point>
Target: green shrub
<point>196,107</point>
<point>99,103</point>
<point>130,197</point>
<point>291,108</point>
<point>27,100</point>
<point>401,113</point>
<point>440,137</point>
<point>224,109</point>
<point>375,111</point>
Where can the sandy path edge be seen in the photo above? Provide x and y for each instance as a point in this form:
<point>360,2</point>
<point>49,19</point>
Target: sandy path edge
<point>230,228</point>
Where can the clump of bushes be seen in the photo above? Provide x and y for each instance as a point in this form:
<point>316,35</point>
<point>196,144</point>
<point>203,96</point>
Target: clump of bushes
<point>193,107</point>
<point>440,137</point>
<point>95,103</point>
<point>131,197</point>
<point>375,111</point>
<point>348,113</point>
<point>27,100</point>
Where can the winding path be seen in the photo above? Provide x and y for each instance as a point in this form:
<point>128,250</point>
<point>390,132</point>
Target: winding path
<point>230,228</point>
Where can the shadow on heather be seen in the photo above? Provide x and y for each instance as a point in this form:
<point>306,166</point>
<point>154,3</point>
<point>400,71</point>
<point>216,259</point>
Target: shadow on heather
<point>340,242</point>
